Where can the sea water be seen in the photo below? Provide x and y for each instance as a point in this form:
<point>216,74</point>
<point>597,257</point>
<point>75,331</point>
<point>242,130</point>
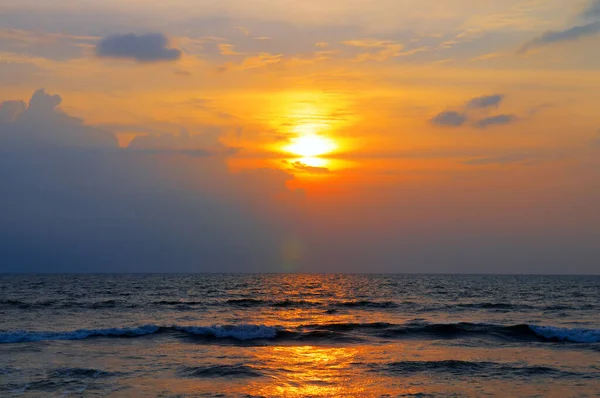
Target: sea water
<point>278,335</point>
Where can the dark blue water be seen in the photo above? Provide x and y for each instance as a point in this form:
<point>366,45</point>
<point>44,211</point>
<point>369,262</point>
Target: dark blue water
<point>299,335</point>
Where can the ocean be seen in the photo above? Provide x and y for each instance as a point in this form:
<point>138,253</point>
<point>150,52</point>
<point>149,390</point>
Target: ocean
<point>294,335</point>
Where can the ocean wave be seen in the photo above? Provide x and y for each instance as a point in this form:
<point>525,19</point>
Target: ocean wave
<point>472,368</point>
<point>247,302</point>
<point>250,302</point>
<point>417,330</point>
<point>367,304</point>
<point>177,302</point>
<point>493,306</point>
<point>81,373</point>
<point>565,334</point>
<point>337,332</point>
<point>295,303</point>
<point>512,332</point>
<point>65,304</point>
<point>358,305</point>
<point>26,305</point>
<point>237,332</point>
<point>28,336</point>
<point>216,371</point>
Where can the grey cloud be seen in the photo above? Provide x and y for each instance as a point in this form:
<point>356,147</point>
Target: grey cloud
<point>41,124</point>
<point>485,101</point>
<point>11,110</point>
<point>596,141</point>
<point>496,120</point>
<point>591,13</point>
<point>457,119</point>
<point>449,119</point>
<point>570,34</point>
<point>151,47</point>
<point>206,143</point>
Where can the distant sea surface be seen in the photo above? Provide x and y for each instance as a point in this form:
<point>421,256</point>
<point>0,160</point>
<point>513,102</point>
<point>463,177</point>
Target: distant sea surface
<point>209,335</point>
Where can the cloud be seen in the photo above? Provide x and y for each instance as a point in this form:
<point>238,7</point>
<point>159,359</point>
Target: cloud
<point>496,120</point>
<point>457,119</point>
<point>52,46</point>
<point>570,34</point>
<point>41,123</point>
<point>151,47</point>
<point>596,141</point>
<point>207,143</point>
<point>67,208</point>
<point>591,13</point>
<point>485,101</point>
<point>381,50</point>
<point>449,119</point>
<point>304,168</point>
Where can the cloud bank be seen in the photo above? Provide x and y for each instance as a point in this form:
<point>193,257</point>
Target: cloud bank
<point>41,123</point>
<point>72,201</point>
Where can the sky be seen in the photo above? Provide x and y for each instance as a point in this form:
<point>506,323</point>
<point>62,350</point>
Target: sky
<point>434,136</point>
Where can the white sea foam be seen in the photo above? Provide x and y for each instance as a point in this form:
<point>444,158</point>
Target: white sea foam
<point>238,332</point>
<point>565,334</point>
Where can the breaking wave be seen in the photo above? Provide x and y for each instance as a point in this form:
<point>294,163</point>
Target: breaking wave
<point>327,332</point>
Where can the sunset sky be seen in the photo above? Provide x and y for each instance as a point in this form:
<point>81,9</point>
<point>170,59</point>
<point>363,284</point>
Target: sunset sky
<point>306,136</point>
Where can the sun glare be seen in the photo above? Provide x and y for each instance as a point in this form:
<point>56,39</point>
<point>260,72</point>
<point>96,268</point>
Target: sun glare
<point>309,146</point>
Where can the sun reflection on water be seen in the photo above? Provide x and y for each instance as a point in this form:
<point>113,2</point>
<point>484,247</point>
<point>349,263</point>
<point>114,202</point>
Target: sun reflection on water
<point>307,371</point>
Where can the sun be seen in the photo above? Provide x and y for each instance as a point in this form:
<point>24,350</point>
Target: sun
<point>311,145</point>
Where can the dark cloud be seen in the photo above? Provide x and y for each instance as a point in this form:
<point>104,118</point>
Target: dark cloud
<point>449,119</point>
<point>42,124</point>
<point>457,119</point>
<point>151,47</point>
<point>496,120</point>
<point>570,34</point>
<point>485,101</point>
<point>591,13</point>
